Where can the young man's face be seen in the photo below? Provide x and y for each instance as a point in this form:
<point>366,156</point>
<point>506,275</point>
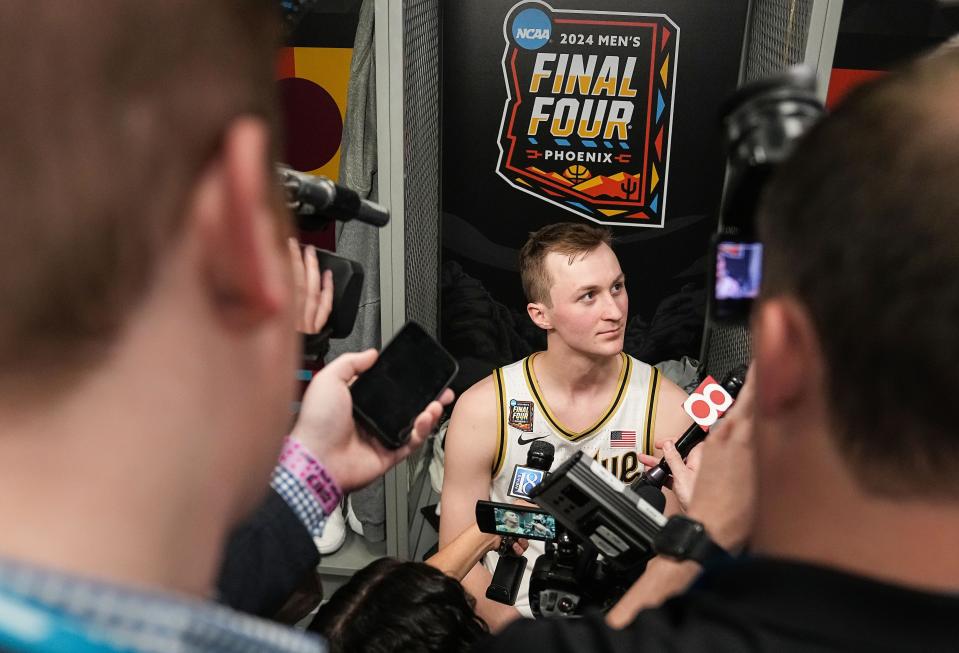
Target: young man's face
<point>589,298</point>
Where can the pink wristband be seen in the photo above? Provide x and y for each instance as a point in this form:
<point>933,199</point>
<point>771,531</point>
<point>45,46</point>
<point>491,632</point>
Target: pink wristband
<point>297,460</point>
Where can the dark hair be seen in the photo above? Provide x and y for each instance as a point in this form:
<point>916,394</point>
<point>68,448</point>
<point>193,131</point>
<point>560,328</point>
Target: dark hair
<point>862,226</point>
<point>111,109</point>
<point>569,238</point>
<point>399,606</point>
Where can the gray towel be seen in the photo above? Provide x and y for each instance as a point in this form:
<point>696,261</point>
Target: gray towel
<point>358,241</point>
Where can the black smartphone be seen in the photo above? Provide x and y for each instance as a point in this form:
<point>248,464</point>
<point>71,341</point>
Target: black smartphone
<point>347,286</point>
<point>412,370</point>
<point>516,521</point>
<point>736,277</point>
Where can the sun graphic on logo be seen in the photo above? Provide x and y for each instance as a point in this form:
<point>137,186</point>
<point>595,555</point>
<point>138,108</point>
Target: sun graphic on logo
<point>577,173</point>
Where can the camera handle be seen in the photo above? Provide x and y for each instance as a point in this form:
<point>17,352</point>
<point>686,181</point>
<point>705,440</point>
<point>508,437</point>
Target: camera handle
<point>508,575</point>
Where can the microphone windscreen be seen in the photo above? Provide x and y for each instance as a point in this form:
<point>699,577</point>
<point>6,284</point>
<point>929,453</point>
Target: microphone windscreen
<point>540,455</point>
<point>734,380</point>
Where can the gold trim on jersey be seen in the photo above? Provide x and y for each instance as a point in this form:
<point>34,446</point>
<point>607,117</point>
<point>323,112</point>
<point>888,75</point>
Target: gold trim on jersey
<point>500,422</point>
<point>622,384</point>
<point>649,441</point>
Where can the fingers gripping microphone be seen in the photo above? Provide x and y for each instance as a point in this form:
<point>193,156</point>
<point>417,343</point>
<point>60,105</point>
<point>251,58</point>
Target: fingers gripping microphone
<point>311,195</point>
<point>706,405</point>
<point>508,574</point>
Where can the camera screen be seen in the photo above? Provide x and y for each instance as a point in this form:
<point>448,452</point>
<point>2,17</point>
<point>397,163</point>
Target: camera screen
<point>515,521</point>
<point>738,270</point>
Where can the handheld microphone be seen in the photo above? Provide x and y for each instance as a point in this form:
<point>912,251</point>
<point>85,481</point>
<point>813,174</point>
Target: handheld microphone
<point>706,405</point>
<point>318,197</point>
<point>539,459</point>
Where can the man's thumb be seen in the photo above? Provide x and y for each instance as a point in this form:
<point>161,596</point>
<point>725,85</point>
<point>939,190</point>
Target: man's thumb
<point>346,366</point>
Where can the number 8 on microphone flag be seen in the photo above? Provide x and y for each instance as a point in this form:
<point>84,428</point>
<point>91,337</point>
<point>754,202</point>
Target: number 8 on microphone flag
<point>708,403</point>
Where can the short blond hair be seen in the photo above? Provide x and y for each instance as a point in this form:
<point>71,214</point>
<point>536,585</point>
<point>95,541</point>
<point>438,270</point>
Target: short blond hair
<point>569,238</point>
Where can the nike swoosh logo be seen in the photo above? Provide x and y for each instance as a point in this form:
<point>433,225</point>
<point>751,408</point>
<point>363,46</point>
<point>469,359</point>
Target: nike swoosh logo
<point>523,442</point>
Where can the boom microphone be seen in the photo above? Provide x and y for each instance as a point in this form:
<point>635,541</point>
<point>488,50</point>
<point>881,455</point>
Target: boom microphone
<point>716,400</point>
<point>317,196</point>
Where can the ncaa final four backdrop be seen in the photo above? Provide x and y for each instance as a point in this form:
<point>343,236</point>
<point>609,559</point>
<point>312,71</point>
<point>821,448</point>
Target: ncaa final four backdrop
<point>592,111</point>
<point>589,133</point>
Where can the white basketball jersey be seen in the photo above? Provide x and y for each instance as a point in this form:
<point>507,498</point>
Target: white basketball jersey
<point>623,429</point>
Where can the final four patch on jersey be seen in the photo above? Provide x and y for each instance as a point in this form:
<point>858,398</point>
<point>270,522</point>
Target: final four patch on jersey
<point>521,415</point>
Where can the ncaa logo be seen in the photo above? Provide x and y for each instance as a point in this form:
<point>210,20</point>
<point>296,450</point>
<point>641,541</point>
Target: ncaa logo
<point>531,28</point>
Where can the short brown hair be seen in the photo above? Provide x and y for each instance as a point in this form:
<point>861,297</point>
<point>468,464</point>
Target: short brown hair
<point>862,226</point>
<point>569,238</point>
<point>110,110</point>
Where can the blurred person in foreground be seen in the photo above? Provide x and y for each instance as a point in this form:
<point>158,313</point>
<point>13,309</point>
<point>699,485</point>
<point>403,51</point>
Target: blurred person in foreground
<point>269,563</point>
<point>147,338</point>
<point>839,465</point>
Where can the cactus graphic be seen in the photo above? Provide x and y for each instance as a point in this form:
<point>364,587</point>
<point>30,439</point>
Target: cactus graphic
<point>629,186</point>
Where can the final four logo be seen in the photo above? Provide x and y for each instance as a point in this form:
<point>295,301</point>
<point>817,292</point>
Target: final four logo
<point>587,123</point>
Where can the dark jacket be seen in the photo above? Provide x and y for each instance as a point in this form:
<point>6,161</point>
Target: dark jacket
<point>266,559</point>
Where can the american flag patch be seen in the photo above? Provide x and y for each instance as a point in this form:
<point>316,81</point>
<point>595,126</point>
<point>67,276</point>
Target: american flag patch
<point>622,439</point>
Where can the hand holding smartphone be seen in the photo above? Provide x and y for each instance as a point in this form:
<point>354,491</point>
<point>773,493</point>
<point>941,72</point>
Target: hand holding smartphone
<point>411,371</point>
<point>327,426</point>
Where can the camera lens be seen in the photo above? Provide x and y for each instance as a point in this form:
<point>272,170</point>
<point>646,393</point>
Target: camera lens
<point>565,605</point>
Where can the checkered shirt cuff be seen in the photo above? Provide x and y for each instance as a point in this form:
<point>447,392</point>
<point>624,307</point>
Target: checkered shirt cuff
<point>300,499</point>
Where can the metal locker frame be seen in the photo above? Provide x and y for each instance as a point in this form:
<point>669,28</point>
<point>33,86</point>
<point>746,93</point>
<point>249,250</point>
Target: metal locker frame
<point>407,97</point>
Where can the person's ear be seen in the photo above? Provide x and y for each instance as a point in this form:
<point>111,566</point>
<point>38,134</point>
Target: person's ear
<point>538,314</point>
<point>786,352</point>
<point>241,242</point>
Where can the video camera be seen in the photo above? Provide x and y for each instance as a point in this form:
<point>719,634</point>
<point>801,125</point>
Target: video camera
<point>762,122</point>
<point>605,537</point>
<point>598,536</point>
<point>315,201</point>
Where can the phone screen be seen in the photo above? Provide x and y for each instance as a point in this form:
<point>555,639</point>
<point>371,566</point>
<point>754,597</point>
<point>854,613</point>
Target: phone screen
<point>412,370</point>
<point>514,520</point>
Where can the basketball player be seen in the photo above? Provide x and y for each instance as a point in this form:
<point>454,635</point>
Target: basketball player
<point>582,394</point>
